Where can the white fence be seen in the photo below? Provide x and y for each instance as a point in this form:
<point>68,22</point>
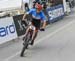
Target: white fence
<point>7,30</point>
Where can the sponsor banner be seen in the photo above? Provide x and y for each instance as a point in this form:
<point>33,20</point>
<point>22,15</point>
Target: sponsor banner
<point>7,30</point>
<point>20,27</point>
<point>56,12</point>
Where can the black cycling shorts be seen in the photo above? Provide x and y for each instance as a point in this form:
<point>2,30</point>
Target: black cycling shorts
<point>36,23</point>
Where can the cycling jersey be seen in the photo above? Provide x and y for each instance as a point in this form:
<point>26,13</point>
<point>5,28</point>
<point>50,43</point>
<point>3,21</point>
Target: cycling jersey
<point>36,15</point>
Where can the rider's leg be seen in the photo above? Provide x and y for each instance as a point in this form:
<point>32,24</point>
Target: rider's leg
<point>34,36</point>
<point>26,32</point>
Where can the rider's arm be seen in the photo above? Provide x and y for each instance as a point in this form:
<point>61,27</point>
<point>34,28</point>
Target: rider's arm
<point>29,12</point>
<point>24,16</point>
<point>44,24</point>
<point>44,20</point>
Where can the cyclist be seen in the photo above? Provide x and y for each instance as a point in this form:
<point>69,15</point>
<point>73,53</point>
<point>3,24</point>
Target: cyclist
<point>37,17</point>
<point>34,3</point>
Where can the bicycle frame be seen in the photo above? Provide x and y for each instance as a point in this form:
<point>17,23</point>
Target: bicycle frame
<point>27,38</point>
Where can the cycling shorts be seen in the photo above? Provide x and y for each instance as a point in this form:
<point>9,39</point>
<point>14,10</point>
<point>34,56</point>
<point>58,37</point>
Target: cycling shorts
<point>36,23</point>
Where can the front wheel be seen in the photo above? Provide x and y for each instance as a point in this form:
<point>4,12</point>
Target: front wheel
<point>22,52</point>
<point>26,43</point>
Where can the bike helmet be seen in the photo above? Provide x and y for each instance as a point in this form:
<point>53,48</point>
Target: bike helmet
<point>38,6</point>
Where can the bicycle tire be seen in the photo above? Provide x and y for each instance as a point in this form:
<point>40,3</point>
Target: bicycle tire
<point>26,43</point>
<point>22,52</point>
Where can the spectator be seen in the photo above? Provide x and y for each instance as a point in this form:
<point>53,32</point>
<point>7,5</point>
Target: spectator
<point>26,5</point>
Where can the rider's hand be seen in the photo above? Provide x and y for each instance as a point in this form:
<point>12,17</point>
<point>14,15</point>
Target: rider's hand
<point>24,22</point>
<point>42,29</point>
<point>24,19</point>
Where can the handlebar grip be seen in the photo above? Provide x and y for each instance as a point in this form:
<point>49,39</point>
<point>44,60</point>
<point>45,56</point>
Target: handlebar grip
<point>24,22</point>
<point>42,29</point>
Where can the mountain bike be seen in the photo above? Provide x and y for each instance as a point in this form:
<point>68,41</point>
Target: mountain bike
<point>27,39</point>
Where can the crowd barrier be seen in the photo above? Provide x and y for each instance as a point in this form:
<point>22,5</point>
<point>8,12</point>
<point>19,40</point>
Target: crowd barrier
<point>55,13</point>
<point>11,28</point>
<point>7,29</point>
<point>20,27</point>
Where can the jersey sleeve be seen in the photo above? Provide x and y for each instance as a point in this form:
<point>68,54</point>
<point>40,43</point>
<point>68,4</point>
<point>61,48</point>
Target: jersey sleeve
<point>30,11</point>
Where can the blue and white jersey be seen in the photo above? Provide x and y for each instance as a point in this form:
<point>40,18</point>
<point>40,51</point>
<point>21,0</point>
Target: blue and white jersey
<point>36,15</point>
